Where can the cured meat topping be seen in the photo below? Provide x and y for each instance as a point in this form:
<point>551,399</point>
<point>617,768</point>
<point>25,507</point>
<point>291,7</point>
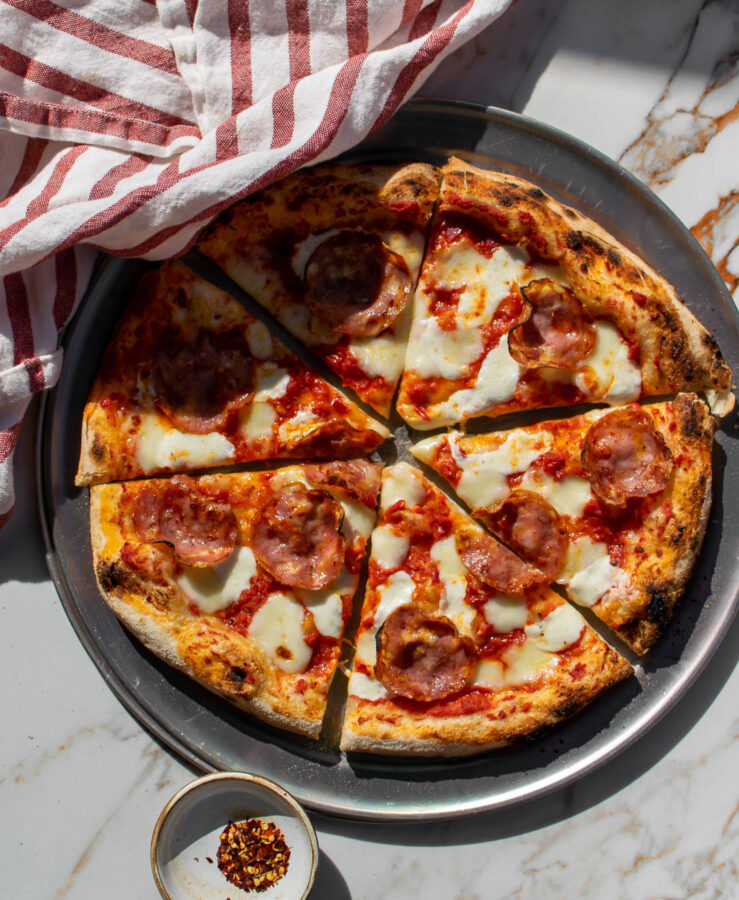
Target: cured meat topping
<point>297,537</point>
<point>359,477</point>
<point>198,381</point>
<point>625,457</point>
<point>201,531</point>
<point>423,657</point>
<point>556,332</point>
<point>532,527</point>
<point>356,284</point>
<point>497,566</point>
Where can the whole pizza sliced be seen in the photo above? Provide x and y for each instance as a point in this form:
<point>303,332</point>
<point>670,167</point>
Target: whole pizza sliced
<point>333,252</point>
<point>612,504</point>
<point>524,303</point>
<point>244,581</point>
<point>460,648</point>
<point>192,380</point>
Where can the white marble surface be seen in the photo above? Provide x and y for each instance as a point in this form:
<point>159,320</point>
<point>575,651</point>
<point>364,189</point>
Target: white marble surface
<point>652,84</point>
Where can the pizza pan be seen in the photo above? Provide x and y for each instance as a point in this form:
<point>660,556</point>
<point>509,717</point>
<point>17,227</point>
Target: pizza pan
<point>211,735</point>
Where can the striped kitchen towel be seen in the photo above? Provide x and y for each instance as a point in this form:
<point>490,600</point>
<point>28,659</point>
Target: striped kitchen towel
<point>127,125</point>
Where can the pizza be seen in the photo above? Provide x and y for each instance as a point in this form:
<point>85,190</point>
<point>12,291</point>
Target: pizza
<point>471,294</point>
<point>333,252</point>
<point>461,647</point>
<point>244,581</point>
<point>191,380</point>
<point>611,504</point>
<point>524,303</point>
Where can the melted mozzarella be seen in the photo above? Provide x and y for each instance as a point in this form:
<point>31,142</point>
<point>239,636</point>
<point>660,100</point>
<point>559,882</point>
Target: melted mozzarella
<point>259,340</point>
<point>388,549</point>
<point>568,496</point>
<point>272,382</point>
<point>359,518</point>
<point>483,481</point>
<point>436,352</point>
<point>257,421</point>
<point>360,685</point>
<point>395,592</point>
<point>608,373</point>
<point>367,647</point>
<point>560,629</point>
<point>380,356</point>
<point>216,587</point>
<point>277,627</point>
<point>326,604</point>
<point>489,673</point>
<point>505,613</point>
<point>496,383</point>
<point>452,573</point>
<point>526,662</point>
<point>159,448</point>
<point>588,572</point>
<point>402,482</point>
<point>302,422</point>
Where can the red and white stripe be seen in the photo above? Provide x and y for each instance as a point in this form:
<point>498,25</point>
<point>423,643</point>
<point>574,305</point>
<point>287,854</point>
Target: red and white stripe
<point>127,125</point>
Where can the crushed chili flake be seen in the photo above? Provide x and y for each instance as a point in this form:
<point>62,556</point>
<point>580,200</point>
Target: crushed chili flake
<point>253,854</point>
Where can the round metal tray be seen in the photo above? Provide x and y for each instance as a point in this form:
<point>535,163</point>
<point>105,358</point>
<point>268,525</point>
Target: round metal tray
<point>212,735</point>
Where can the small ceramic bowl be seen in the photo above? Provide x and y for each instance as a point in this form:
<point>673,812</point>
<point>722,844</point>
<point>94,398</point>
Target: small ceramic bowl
<point>188,832</point>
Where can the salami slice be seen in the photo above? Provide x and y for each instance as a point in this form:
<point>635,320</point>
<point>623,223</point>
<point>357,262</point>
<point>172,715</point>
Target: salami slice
<point>201,531</point>
<point>556,332</point>
<point>198,381</point>
<point>423,657</point>
<point>297,537</point>
<point>625,457</point>
<point>498,566</point>
<point>356,284</point>
<point>533,528</point>
<point>358,477</point>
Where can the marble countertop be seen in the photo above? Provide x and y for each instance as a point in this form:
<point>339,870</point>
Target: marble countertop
<point>654,86</point>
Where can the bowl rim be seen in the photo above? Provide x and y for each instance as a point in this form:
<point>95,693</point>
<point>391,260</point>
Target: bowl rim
<point>260,780</point>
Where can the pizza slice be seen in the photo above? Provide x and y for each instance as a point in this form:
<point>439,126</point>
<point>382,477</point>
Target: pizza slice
<point>524,303</point>
<point>612,504</point>
<point>459,648</point>
<point>333,252</point>
<point>243,581</point>
<point>191,380</point>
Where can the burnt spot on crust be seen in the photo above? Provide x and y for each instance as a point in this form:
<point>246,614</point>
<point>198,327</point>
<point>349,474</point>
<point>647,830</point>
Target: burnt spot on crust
<point>583,243</point>
<point>658,609</point>
<point>614,257</point>
<point>569,707</point>
<point>692,416</point>
<point>570,213</point>
<point>238,676</point>
<point>97,449</point>
<point>115,578</point>
<point>537,194</point>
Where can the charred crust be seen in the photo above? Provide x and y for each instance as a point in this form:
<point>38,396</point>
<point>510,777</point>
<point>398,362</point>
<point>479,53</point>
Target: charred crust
<point>614,257</point>
<point>116,578</point>
<point>97,449</point>
<point>537,194</point>
<point>659,607</point>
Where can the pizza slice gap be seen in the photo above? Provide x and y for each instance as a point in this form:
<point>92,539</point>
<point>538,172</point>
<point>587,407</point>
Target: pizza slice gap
<point>243,581</point>
<point>333,253</point>
<point>192,380</point>
<point>524,303</point>
<point>611,504</point>
<point>460,648</point>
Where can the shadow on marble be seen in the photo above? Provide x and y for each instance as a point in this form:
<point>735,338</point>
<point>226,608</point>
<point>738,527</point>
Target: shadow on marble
<point>329,883</point>
<point>502,65</point>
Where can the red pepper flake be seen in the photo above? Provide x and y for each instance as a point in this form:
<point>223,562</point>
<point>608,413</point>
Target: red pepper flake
<point>253,854</point>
